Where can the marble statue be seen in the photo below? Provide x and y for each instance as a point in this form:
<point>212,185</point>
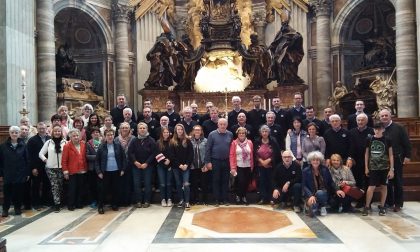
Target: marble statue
<point>339,91</point>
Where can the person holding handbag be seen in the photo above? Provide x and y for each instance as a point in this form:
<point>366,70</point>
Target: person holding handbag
<point>343,179</point>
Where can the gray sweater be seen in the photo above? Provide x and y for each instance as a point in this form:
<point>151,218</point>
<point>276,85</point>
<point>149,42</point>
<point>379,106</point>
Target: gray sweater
<point>218,145</point>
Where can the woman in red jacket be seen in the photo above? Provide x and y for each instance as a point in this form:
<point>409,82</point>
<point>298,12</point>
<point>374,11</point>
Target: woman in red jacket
<point>74,166</point>
<point>241,158</point>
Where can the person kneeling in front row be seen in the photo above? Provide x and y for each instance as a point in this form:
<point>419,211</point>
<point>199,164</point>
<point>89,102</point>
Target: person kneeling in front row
<point>287,179</point>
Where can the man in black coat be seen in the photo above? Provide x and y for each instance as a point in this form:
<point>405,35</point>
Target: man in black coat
<point>287,181</point>
<point>298,110</point>
<point>337,140</point>
<point>256,117</point>
<point>310,117</point>
<point>275,130</point>
<point>401,149</point>
<point>37,166</point>
<point>211,124</point>
<point>233,115</point>
<point>281,115</point>
<point>358,141</point>
<point>173,116</point>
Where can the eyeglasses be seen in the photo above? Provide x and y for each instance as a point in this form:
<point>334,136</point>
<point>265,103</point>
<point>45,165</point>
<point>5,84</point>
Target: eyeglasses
<point>287,156</point>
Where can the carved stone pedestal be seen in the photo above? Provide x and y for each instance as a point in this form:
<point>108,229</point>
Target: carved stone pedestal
<point>75,92</point>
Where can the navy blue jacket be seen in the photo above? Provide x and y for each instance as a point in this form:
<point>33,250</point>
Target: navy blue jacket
<point>102,157</point>
<point>14,162</point>
<point>308,185</point>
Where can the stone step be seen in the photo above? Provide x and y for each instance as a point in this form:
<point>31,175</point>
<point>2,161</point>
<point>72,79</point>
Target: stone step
<point>412,193</point>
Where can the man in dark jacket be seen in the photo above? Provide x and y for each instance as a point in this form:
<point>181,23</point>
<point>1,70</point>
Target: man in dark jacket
<point>39,177</point>
<point>401,149</point>
<point>14,170</point>
<point>287,179</point>
<point>117,112</point>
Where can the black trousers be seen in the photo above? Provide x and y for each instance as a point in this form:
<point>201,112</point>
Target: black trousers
<point>92,187</point>
<point>75,190</point>
<point>41,189</point>
<point>199,180</point>
<point>13,193</point>
<point>395,195</point>
<point>109,184</point>
<point>243,178</point>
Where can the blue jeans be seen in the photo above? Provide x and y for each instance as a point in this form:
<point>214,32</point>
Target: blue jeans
<point>296,191</point>
<point>182,181</point>
<point>321,197</point>
<point>264,186</point>
<point>220,179</point>
<point>165,181</point>
<point>142,177</point>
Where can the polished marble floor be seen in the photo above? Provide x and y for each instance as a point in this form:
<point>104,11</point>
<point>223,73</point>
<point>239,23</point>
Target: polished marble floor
<point>207,228</point>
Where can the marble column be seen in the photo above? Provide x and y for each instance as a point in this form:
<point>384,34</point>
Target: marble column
<point>406,58</point>
<point>121,14</point>
<point>46,79</point>
<point>323,88</point>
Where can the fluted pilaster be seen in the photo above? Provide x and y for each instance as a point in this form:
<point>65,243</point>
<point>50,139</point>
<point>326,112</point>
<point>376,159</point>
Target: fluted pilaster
<point>46,79</point>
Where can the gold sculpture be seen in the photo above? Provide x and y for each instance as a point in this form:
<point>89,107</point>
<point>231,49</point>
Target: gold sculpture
<point>339,91</point>
<point>385,91</point>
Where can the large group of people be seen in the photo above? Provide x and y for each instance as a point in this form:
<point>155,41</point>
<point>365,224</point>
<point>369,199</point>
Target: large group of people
<point>288,156</point>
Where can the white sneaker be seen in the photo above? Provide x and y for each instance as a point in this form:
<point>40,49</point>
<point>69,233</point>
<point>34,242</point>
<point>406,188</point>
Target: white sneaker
<point>169,204</point>
<point>323,211</point>
<point>164,203</point>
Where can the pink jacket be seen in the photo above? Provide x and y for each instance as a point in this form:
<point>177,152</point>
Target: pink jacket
<point>232,154</point>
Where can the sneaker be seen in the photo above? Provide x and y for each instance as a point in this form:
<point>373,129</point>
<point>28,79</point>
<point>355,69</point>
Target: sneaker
<point>261,202</point>
<point>244,200</point>
<point>237,200</point>
<point>187,205</point>
<point>138,205</point>
<point>382,211</point>
<point>181,203</point>
<point>365,211</point>
<point>169,203</point>
<point>163,203</point>
<point>146,205</point>
<point>296,209</point>
<point>101,210</point>
<point>323,211</point>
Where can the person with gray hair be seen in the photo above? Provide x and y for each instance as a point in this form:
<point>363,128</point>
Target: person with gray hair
<point>32,130</point>
<point>358,140</point>
<point>233,115</point>
<point>217,160</point>
<point>401,147</point>
<point>267,154</point>
<point>318,185</point>
<point>14,170</point>
<point>38,177</point>
<point>87,109</point>
<point>337,139</point>
<point>128,118</point>
<point>187,120</point>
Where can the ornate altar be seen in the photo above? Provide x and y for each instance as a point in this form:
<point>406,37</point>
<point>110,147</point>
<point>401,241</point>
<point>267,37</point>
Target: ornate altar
<point>76,92</point>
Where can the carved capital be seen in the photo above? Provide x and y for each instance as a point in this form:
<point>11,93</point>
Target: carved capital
<point>121,13</point>
<point>321,7</point>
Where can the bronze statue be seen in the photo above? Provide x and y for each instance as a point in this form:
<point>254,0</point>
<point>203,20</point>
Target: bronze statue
<point>163,61</point>
<point>385,91</point>
<point>257,69</point>
<point>64,62</point>
<point>204,24</point>
<point>237,24</point>
<point>287,51</point>
<point>188,70</point>
<point>378,52</point>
